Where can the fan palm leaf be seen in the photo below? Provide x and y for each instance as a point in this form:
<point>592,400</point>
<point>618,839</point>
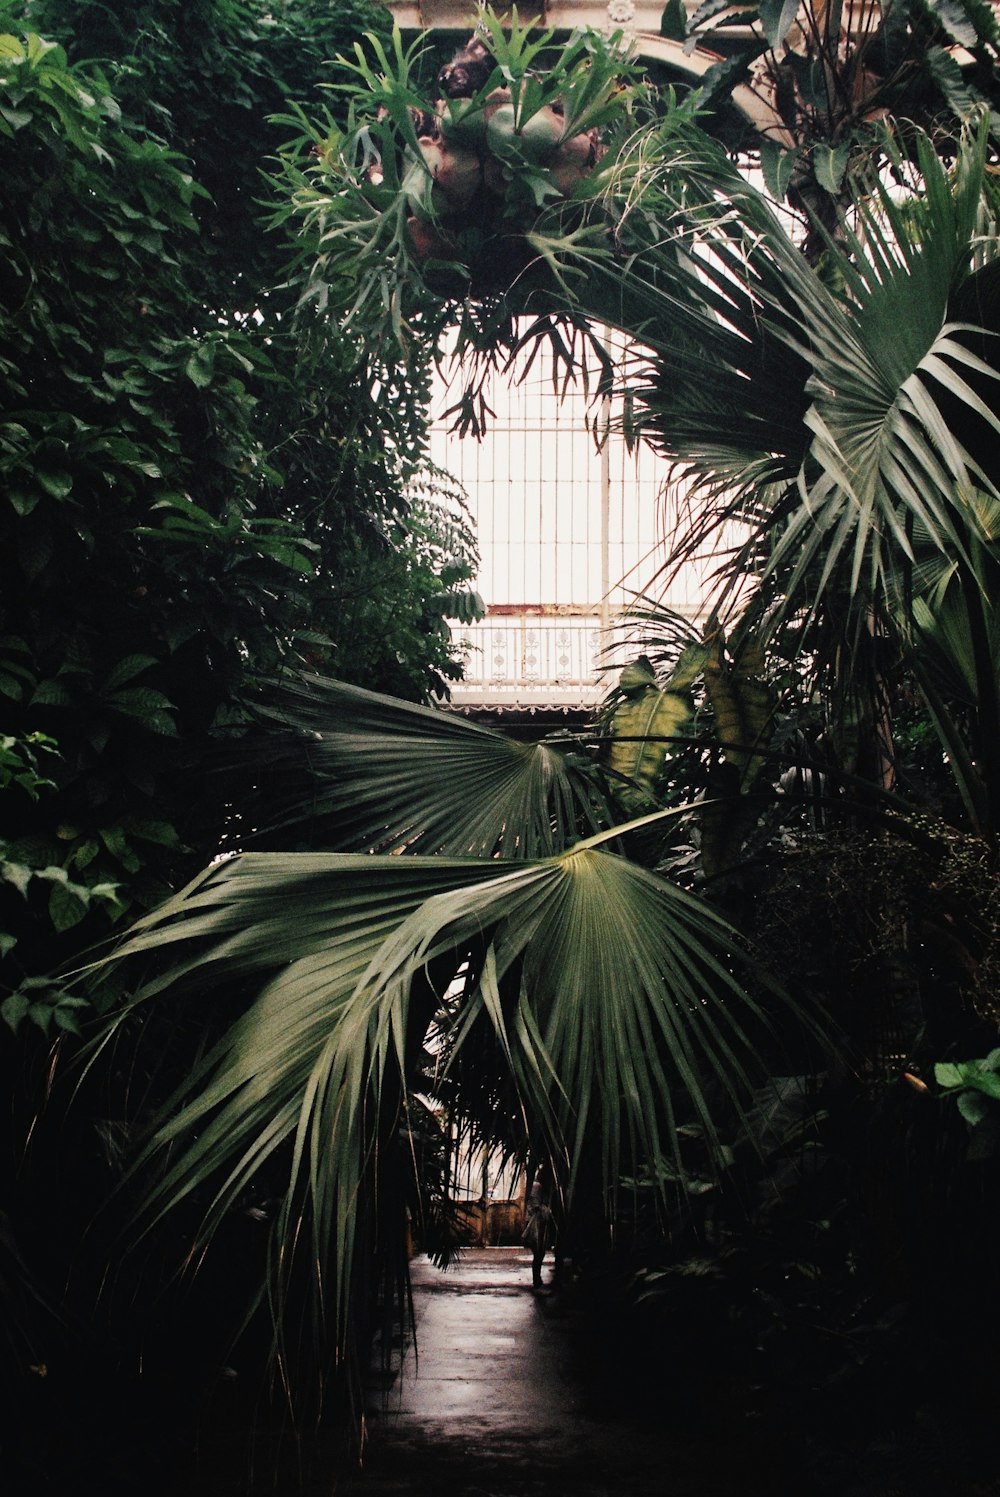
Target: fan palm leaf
<point>355,769</point>
<point>884,454</point>
<point>821,417</point>
<point>858,411</point>
<point>951,624</point>
<point>611,994</point>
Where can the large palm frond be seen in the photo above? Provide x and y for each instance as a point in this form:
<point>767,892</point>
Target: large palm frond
<point>354,769</point>
<point>822,418</point>
<point>951,623</point>
<point>884,454</point>
<point>829,451</point>
<point>612,996</point>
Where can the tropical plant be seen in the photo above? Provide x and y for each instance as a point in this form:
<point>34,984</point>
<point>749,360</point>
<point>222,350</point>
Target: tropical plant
<point>472,896</point>
<point>596,1004</point>
<point>821,79</point>
<point>840,422</point>
<point>975,1086</point>
<point>195,490</point>
<point>858,405</point>
<point>835,439</point>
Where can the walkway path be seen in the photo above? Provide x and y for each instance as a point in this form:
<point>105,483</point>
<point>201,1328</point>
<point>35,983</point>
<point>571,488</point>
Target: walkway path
<point>491,1403</point>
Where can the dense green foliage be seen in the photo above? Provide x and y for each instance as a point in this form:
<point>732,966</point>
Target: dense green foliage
<point>807,88</point>
<point>836,430</point>
<point>485,907</point>
<point>195,489</point>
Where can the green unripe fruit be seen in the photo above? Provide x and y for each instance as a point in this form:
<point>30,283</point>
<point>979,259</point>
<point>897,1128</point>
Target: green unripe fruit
<point>536,139</point>
<point>467,130</point>
<point>464,121</point>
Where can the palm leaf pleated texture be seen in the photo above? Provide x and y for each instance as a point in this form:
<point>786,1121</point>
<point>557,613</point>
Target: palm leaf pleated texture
<point>608,1005</point>
<point>827,421</point>
<point>614,1004</point>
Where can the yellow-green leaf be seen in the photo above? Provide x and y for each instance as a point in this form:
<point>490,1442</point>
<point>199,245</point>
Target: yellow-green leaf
<point>742,703</point>
<point>642,728</point>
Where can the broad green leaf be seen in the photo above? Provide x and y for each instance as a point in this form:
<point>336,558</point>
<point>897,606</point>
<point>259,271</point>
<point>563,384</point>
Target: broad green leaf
<point>23,501</point>
<point>18,875</point>
<point>674,21</point>
<point>707,11</point>
<point>982,17</point>
<point>145,705</point>
<point>972,1107</point>
<point>690,664</point>
<point>611,991</point>
<point>200,367</point>
<point>126,669</point>
<point>986,1082</point>
<point>40,1014</point>
<point>106,891</point>
<point>830,164</point>
<point>777,17</point>
<point>948,76</point>
<point>13,1010</point>
<point>742,703</point>
<point>66,908</point>
<point>958,20</point>
<point>50,694</point>
<point>160,832</point>
<point>57,484</point>
<point>642,730</point>
<point>777,162</point>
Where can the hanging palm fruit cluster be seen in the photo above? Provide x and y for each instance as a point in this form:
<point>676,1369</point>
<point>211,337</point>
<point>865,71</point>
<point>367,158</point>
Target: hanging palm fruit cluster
<point>495,177</point>
<point>484,157</point>
<point>510,134</point>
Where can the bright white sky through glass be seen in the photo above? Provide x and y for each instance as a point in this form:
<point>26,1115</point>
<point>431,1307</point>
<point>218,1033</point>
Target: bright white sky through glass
<point>559,567</point>
<point>534,483</point>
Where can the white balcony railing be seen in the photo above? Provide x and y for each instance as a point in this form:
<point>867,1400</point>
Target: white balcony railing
<point>532,660</point>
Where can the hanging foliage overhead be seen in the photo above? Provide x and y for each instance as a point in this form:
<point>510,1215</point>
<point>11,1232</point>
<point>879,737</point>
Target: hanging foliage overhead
<point>449,190</point>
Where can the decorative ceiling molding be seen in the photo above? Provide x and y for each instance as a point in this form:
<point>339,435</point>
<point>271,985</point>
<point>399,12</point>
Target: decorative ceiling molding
<point>459,15</point>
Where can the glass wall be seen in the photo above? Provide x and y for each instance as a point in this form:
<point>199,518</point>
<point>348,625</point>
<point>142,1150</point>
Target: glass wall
<point>570,521</point>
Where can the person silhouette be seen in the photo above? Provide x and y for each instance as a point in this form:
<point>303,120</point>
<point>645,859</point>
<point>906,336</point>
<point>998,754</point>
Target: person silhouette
<point>539,1231</point>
